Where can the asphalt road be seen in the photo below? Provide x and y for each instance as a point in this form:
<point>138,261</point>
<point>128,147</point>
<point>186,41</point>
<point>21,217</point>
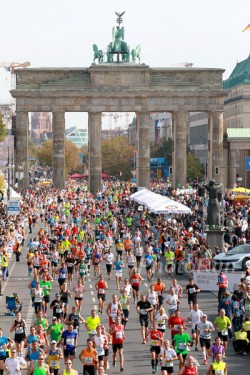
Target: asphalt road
<point>137,356</point>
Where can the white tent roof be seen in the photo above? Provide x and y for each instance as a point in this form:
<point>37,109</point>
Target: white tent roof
<point>159,204</point>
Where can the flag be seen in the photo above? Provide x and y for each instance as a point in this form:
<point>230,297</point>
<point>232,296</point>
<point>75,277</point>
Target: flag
<point>247,28</point>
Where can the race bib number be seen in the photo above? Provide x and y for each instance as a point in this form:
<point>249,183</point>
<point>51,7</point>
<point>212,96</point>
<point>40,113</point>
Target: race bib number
<point>154,342</point>
<point>118,335</point>
<point>54,363</point>
<point>143,311</point>
<point>88,360</point>
<point>192,290</point>
<point>19,330</point>
<point>92,331</point>
<point>182,346</point>
<point>101,291</point>
<point>70,341</point>
<point>224,332</point>
<point>219,372</point>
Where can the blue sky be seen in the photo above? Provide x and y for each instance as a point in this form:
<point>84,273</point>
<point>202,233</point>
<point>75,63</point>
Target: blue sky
<point>60,33</point>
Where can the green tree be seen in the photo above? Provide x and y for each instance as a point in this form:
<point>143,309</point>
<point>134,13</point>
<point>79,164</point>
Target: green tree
<point>194,168</point>
<point>117,157</point>
<point>72,160</point>
<point>2,128</point>
<point>162,150</point>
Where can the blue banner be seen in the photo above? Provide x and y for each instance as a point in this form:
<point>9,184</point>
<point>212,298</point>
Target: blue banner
<point>247,163</point>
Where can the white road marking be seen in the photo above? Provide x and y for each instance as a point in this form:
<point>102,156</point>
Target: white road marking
<point>93,299</point>
<point>90,285</point>
<point>146,285</point>
<point>91,292</point>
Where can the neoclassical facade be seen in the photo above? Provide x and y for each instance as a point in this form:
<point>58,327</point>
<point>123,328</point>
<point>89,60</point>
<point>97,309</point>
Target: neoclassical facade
<point>124,87</point>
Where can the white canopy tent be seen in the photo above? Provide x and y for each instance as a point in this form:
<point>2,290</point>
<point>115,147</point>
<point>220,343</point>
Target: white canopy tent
<point>159,204</point>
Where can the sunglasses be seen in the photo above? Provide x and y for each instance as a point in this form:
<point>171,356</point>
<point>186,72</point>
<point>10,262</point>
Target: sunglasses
<point>13,352</point>
<point>41,359</point>
<point>68,363</point>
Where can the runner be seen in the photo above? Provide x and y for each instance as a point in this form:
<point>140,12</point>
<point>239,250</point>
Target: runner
<point>3,346</point>
<point>99,341</point>
<point>57,307</point>
<point>15,364</point>
<point>138,251</point>
<point>192,291</point>
<point>217,347</point>
<point>89,359</point>
<point>169,257</point>
<point>159,287</point>
<point>109,259</point>
<point>152,297</point>
<point>217,367</point>
<point>156,340</point>
<point>54,356</point>
<point>222,323</point>
<point>124,301</point>
<point>172,301</point>
<point>19,326</point>
<point>39,367</point>
<point>167,357</point>
<point>69,342</point>
<point>101,287</point>
<point>160,319</point>
<point>194,319</point>
<point>189,369</point>
<point>135,280</point>
<point>118,338</point>
<point>65,295</point>
<point>91,323</point>
<point>75,318</point>
<point>69,370</point>
<point>143,307</point>
<point>204,329</point>
<point>70,264</point>
<point>79,291</point>
<point>113,309</point>
<point>118,271</point>
<point>181,342</point>
<point>55,330</point>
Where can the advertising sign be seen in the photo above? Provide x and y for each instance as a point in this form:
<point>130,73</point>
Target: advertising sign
<point>13,207</point>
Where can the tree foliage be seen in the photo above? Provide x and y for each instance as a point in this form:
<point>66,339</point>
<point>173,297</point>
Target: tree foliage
<point>162,150</point>
<point>194,168</point>
<point>2,128</point>
<point>117,157</point>
<point>72,160</point>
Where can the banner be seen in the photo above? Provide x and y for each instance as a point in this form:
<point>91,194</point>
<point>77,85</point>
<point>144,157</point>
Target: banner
<point>207,280</point>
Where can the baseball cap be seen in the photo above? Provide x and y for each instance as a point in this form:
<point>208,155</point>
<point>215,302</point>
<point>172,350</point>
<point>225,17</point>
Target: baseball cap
<point>204,316</point>
<point>54,318</point>
<point>53,342</point>
<point>57,295</point>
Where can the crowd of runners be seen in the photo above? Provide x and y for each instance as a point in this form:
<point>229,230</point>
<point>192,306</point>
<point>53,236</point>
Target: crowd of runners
<point>67,235</point>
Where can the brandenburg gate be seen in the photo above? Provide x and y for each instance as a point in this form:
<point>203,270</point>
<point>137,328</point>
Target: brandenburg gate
<point>121,86</point>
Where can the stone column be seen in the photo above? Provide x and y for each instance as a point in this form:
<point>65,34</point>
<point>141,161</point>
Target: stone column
<point>180,126</point>
<point>209,146</point>
<point>95,151</point>
<point>58,161</point>
<point>143,149</point>
<point>21,148</point>
<point>217,147</point>
<point>231,167</point>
